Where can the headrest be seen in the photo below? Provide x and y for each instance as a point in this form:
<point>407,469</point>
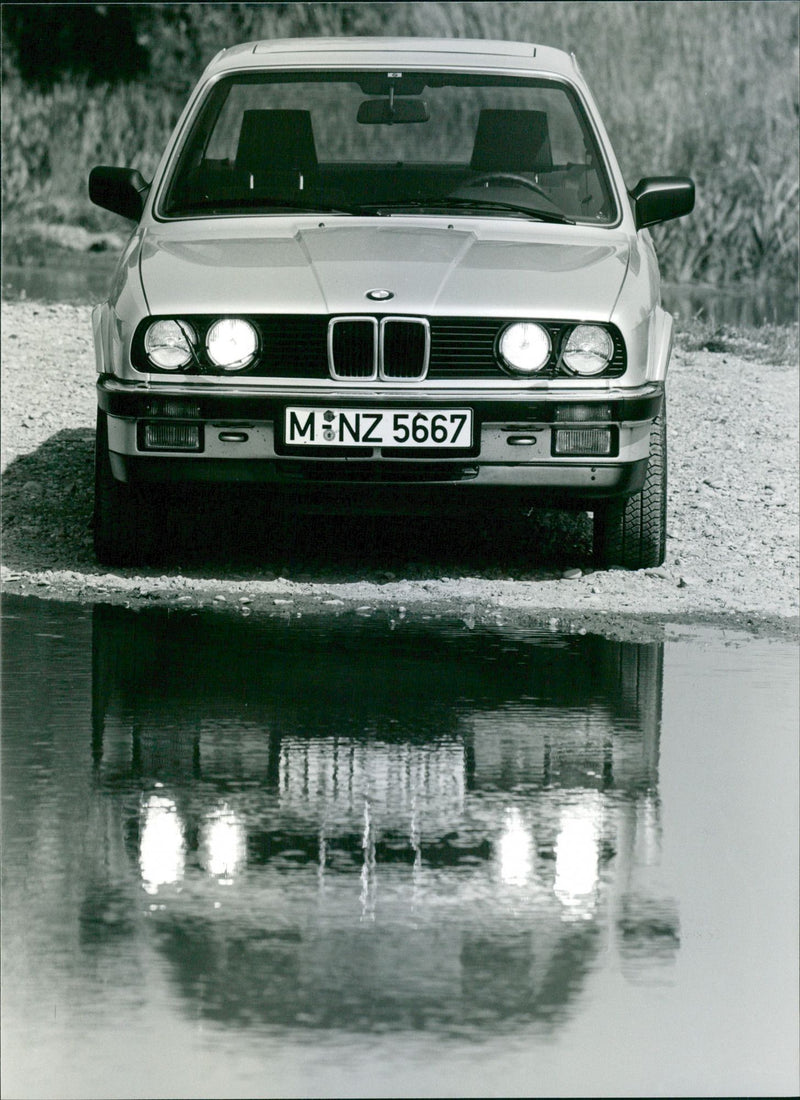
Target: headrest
<point>276,140</point>
<point>511,141</point>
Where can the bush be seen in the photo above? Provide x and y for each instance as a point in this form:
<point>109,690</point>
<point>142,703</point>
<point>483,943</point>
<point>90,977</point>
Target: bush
<point>699,88</point>
<point>52,139</point>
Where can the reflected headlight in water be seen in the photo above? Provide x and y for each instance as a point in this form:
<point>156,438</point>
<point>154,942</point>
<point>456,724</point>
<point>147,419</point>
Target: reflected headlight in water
<point>223,843</point>
<point>578,856</point>
<point>162,847</point>
<point>516,861</point>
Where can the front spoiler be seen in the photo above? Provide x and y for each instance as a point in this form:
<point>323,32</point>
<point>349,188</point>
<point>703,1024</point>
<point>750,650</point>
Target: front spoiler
<point>368,490</point>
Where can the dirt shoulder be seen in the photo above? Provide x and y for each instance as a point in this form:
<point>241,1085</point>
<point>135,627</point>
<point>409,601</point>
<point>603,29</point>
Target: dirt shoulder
<point>732,547</point>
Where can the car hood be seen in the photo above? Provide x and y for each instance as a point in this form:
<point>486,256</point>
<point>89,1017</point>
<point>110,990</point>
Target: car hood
<point>563,272</point>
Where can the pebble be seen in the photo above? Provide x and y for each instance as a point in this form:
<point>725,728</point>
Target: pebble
<point>572,574</point>
<point>719,537</point>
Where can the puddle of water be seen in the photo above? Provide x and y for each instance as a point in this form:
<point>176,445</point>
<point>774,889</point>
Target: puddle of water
<point>77,278</point>
<point>250,859</point>
<point>768,305</point>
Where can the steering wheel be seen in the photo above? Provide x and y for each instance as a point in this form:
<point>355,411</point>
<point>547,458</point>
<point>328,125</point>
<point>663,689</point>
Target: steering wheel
<point>506,177</point>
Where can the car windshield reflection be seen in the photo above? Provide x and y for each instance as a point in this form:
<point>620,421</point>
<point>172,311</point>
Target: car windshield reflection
<point>268,141</point>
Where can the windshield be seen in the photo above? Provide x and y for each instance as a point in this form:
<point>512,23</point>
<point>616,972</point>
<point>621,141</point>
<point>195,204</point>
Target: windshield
<point>384,143</point>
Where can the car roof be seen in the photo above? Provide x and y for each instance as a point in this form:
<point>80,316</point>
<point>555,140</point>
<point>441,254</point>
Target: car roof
<point>435,53</point>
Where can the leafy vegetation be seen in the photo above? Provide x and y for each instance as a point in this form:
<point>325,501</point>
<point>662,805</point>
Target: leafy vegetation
<point>775,345</point>
<point>700,88</point>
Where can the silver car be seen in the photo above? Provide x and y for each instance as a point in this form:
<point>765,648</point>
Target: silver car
<point>392,275</point>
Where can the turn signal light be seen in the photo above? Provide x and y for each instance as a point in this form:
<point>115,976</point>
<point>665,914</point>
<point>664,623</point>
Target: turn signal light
<point>173,406</point>
<point>578,413</point>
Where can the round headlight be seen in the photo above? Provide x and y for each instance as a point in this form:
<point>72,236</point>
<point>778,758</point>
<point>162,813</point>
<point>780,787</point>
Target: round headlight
<point>166,344</point>
<point>524,347</point>
<point>231,343</point>
<point>588,350</point>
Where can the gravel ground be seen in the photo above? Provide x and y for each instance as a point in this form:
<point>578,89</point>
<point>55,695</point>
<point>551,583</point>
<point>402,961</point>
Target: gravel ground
<point>732,547</point>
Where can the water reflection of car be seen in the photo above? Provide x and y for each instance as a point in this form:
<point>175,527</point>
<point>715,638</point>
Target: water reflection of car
<point>394,275</point>
<point>363,828</point>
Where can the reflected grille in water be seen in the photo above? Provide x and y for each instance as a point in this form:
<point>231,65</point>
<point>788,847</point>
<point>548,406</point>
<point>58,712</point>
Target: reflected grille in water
<point>331,778</point>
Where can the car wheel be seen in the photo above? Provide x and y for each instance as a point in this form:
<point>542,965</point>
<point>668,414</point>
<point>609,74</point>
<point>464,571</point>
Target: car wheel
<point>123,524</point>
<point>632,533</point>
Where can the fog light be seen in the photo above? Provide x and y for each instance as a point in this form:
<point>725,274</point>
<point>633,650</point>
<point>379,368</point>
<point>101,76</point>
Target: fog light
<point>170,437</point>
<point>583,441</point>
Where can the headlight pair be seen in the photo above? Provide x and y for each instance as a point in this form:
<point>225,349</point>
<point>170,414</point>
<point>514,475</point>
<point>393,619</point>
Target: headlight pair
<point>230,344</point>
<point>525,348</point>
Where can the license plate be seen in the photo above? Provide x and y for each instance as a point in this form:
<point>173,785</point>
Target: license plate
<point>321,427</point>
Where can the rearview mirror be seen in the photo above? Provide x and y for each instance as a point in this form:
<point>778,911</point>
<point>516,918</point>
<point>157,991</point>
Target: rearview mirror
<point>660,198</point>
<point>391,111</point>
<point>120,190</point>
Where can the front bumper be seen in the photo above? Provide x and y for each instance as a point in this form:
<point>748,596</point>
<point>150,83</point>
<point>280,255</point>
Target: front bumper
<point>513,450</point>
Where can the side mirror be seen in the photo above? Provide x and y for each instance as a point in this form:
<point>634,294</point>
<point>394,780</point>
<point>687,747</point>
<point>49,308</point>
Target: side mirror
<point>659,198</point>
<point>121,190</point>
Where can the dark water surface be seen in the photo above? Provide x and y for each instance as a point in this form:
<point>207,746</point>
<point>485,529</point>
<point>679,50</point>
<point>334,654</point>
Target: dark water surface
<point>265,858</point>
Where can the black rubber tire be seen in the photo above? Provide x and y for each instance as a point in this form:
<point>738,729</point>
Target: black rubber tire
<point>123,520</point>
<point>632,533</point>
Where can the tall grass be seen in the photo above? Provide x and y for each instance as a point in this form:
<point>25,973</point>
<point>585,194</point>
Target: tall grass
<point>50,141</point>
<point>708,89</point>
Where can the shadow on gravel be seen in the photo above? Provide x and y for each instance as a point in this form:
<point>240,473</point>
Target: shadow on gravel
<point>47,510</point>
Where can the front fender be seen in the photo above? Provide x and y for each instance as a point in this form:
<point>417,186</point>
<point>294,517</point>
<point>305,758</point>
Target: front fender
<point>659,345</point>
<point>114,321</point>
<point>99,327</point>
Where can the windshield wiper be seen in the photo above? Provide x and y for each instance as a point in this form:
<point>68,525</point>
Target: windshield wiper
<point>252,202</point>
<point>455,203</point>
